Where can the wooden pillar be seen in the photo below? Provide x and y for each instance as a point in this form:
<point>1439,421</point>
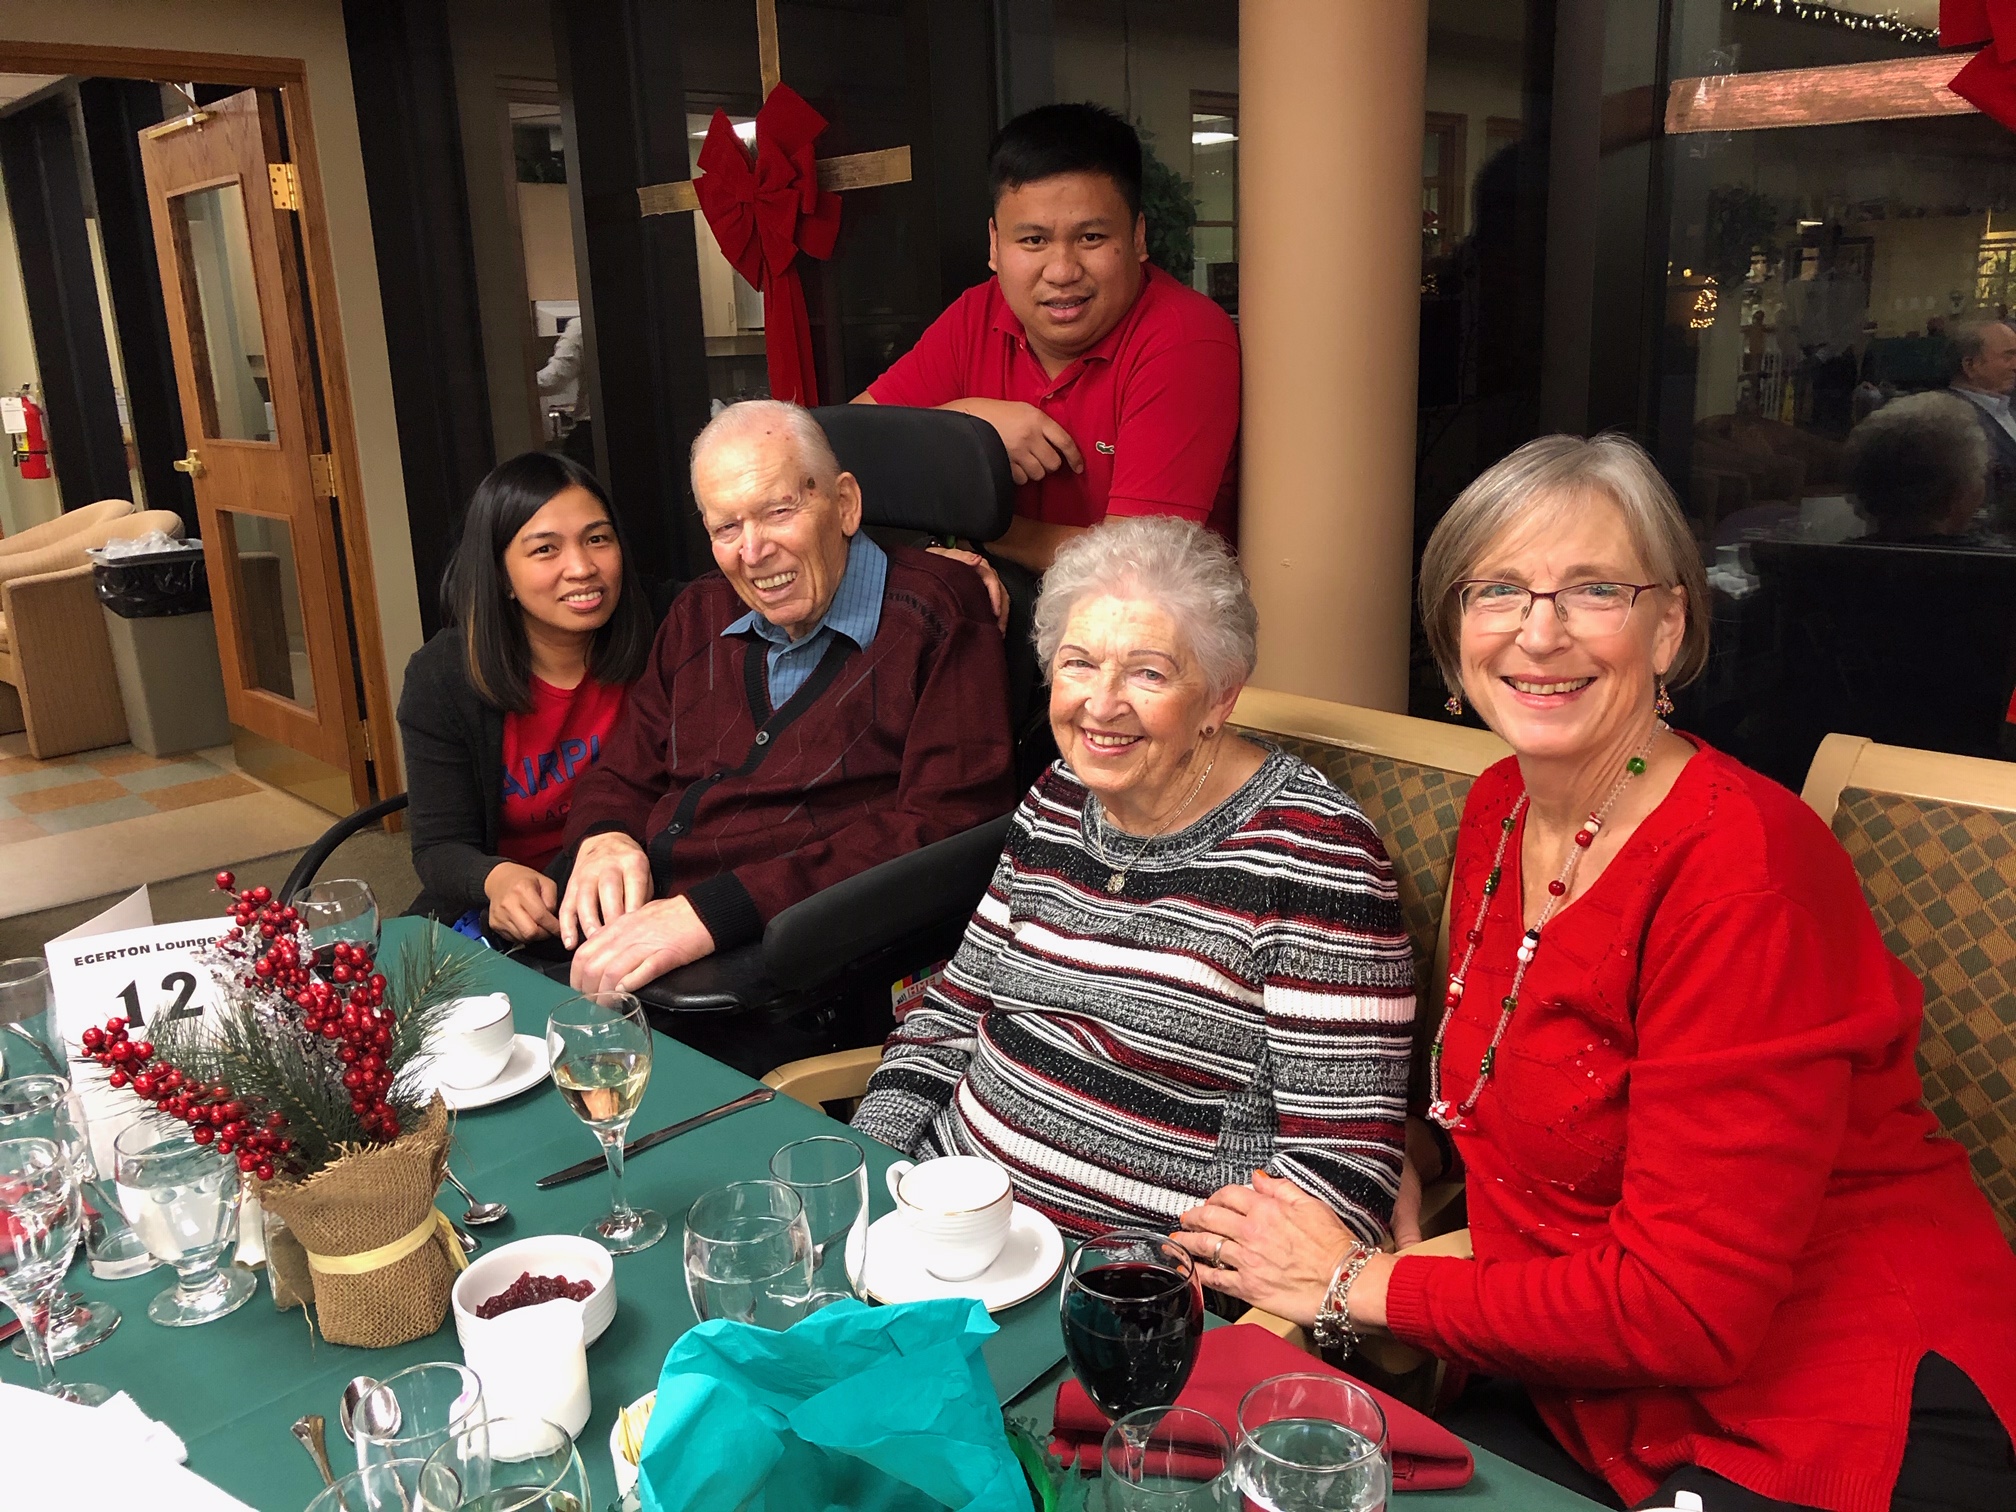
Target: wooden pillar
<point>1330,123</point>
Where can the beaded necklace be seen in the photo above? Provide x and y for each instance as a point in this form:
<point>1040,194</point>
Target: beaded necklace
<point>1445,1113</point>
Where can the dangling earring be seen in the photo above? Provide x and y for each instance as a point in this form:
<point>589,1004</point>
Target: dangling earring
<point>1662,705</point>
<point>1453,705</point>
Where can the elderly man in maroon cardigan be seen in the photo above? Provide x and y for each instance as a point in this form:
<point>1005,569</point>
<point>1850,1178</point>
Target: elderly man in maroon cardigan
<point>816,706</point>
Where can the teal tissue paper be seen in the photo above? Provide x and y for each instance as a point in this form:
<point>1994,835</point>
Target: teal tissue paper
<point>884,1409</point>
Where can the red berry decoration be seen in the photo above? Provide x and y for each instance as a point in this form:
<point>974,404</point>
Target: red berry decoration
<point>224,881</point>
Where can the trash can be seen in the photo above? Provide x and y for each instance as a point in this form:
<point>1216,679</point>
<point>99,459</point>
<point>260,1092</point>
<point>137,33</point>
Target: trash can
<point>164,646</point>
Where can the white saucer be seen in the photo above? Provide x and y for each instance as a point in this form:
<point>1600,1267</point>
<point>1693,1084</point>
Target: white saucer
<point>527,1067</point>
<point>895,1269</point>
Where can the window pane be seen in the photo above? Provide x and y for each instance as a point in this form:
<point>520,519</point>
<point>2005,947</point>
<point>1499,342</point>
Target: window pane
<point>273,645</point>
<point>226,341</point>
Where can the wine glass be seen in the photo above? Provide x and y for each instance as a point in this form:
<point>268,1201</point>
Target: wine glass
<point>45,1107</point>
<point>1309,1442</point>
<point>1167,1459</point>
<point>749,1254</point>
<point>390,1486</point>
<point>426,1412</point>
<point>28,1014</point>
<point>601,1049</point>
<point>531,1466</point>
<point>830,1176</point>
<point>343,911</point>
<point>182,1199</point>
<point>1133,1315</point>
<point>40,1219</point>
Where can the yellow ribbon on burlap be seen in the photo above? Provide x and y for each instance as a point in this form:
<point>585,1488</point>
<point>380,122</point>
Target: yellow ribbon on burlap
<point>436,1222</point>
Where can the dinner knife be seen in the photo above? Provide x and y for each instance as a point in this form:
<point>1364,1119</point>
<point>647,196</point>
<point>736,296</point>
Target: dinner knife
<point>644,1142</point>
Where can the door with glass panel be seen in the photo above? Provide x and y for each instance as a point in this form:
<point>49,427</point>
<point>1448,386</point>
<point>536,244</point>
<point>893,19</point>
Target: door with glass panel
<point>225,206</point>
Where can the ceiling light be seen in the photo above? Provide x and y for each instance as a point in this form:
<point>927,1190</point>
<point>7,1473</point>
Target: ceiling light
<point>746,130</point>
<point>1212,138</point>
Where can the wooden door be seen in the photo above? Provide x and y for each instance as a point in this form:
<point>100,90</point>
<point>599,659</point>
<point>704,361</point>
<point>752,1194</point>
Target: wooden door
<point>225,206</point>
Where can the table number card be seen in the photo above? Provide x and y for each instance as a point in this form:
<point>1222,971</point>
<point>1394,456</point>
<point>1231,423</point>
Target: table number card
<point>143,975</point>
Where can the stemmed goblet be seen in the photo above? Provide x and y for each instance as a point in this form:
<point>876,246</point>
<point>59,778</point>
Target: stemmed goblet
<point>338,912</point>
<point>601,1049</point>
<point>182,1199</point>
<point>1313,1442</point>
<point>749,1255</point>
<point>434,1411</point>
<point>41,1217</point>
<point>1133,1316</point>
<point>45,1107</point>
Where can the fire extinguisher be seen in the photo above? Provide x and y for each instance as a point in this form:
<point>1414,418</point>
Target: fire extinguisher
<point>31,446</point>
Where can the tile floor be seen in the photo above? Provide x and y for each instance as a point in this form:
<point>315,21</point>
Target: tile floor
<point>100,821</point>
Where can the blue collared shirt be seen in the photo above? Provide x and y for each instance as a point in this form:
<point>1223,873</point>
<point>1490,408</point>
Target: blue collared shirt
<point>1996,406</point>
<point>856,612</point>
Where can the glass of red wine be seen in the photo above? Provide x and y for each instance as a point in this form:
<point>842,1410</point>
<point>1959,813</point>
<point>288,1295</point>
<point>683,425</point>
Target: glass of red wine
<point>1133,1314</point>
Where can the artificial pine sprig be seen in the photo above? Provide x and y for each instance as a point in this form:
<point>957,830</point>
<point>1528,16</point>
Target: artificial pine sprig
<point>302,1062</point>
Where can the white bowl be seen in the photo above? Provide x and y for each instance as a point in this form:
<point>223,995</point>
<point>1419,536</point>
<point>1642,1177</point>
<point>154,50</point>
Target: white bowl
<point>565,1255</point>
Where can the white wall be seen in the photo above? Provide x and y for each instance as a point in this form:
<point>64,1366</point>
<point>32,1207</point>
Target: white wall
<point>23,501</point>
<point>310,30</point>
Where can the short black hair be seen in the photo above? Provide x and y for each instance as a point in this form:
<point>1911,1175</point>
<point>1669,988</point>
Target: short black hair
<point>476,592</point>
<point>1054,139</point>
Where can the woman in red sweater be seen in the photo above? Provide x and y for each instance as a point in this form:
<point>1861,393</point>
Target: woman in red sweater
<point>1719,1243</point>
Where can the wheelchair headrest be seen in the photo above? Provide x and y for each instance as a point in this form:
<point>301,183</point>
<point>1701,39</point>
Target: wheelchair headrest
<point>920,469</point>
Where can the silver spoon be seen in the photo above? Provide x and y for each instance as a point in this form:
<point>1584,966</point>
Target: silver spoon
<point>359,1387</point>
<point>479,1213</point>
<point>308,1430</point>
<point>469,1242</point>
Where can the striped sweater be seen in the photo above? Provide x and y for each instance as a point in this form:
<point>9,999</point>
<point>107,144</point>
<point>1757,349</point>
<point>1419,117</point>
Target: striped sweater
<point>1245,1001</point>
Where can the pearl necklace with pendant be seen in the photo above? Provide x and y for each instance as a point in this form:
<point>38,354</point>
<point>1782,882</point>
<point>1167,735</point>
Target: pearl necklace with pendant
<point>1445,1113</point>
<point>1118,879</point>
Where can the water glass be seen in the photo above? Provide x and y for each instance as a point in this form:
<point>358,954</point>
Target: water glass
<point>182,1199</point>
<point>40,1219</point>
<point>1313,1443</point>
<point>343,911</point>
<point>390,1486</point>
<point>426,1412</point>
<point>28,1037</point>
<point>749,1254</point>
<point>601,1049</point>
<point>830,1175</point>
<point>45,1107</point>
<point>1167,1459</point>
<point>531,1464</point>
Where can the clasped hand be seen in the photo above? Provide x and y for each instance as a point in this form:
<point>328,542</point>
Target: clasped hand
<point>620,937</point>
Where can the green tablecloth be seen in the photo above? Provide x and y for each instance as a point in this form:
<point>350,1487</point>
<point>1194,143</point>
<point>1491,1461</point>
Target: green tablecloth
<point>231,1388</point>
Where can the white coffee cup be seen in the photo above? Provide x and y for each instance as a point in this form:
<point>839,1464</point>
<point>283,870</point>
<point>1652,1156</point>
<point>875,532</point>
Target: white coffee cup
<point>957,1208</point>
<point>473,1043</point>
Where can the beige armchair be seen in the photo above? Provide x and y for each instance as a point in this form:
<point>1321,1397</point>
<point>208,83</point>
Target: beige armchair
<point>56,676</point>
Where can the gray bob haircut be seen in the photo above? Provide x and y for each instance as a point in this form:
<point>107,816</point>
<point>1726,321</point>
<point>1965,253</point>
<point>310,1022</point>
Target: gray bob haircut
<point>1545,479</point>
<point>1176,564</point>
<point>747,418</point>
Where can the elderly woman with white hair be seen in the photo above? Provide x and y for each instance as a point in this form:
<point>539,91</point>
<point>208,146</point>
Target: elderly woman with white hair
<point>1919,468</point>
<point>1720,1245</point>
<point>1190,965</point>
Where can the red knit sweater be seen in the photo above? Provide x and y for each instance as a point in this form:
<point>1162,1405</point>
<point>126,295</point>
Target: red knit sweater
<point>1713,1222</point>
<point>747,810</point>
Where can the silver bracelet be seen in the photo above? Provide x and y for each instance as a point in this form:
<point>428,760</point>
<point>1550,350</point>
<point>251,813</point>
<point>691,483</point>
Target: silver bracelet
<point>1334,1331</point>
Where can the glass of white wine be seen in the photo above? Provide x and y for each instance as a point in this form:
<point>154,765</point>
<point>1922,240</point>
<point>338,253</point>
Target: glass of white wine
<point>601,1049</point>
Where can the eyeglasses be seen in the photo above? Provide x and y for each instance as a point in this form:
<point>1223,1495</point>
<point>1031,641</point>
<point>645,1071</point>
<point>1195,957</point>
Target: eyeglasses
<point>1584,609</point>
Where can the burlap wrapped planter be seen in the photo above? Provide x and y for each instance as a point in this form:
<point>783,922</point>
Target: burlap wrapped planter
<point>377,1199</point>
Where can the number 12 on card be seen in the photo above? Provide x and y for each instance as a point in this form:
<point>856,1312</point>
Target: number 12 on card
<point>181,983</point>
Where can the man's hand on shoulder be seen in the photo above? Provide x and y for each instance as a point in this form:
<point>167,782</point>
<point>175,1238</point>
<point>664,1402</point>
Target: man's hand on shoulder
<point>989,579</point>
<point>640,947</point>
<point>611,878</point>
<point>1037,445</point>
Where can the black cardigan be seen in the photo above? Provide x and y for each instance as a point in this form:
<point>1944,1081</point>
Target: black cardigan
<point>454,776</point>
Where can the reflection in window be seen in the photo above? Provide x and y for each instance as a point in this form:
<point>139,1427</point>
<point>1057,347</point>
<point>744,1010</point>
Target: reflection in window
<point>1214,178</point>
<point>272,643</point>
<point>221,299</point>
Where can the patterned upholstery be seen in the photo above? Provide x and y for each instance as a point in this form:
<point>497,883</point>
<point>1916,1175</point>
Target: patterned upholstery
<point>1941,879</point>
<point>1416,810</point>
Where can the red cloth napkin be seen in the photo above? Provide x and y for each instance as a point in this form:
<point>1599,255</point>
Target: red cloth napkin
<point>1232,1361</point>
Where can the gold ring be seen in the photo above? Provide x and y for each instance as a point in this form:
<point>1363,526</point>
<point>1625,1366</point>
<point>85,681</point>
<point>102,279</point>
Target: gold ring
<point>1217,1253</point>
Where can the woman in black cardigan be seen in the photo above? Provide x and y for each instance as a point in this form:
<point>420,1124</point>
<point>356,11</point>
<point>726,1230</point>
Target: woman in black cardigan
<point>546,624</point>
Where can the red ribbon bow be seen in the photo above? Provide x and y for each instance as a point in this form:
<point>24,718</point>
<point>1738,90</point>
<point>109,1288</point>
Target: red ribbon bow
<point>764,216</point>
<point>1988,81</point>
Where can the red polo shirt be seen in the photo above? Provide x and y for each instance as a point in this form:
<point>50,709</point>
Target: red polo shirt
<point>1154,407</point>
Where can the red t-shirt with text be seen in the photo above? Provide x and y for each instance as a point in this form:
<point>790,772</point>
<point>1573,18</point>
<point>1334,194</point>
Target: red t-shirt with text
<point>545,749</point>
<point>1154,407</point>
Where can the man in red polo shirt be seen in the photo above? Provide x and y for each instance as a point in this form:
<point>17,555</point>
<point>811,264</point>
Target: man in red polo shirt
<point>1115,388</point>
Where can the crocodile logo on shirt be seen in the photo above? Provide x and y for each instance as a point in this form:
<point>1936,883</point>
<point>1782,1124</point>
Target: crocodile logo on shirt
<point>1104,448</point>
